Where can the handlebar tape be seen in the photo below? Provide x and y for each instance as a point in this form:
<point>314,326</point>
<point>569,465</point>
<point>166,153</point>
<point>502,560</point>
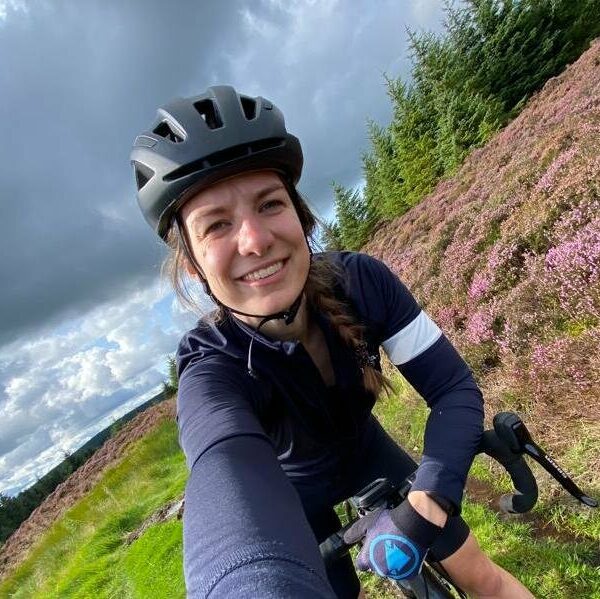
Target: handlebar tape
<point>523,480</point>
<point>334,547</point>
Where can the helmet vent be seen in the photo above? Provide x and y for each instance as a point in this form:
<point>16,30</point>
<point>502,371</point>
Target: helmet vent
<point>166,130</point>
<point>249,107</point>
<point>209,113</point>
<point>143,174</point>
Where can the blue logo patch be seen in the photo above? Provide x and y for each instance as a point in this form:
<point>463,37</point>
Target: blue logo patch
<point>394,556</point>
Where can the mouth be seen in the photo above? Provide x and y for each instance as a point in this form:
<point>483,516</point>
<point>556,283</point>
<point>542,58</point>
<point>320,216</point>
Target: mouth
<point>264,272</point>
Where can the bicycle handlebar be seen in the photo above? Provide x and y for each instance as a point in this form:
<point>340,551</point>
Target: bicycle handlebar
<point>523,480</point>
<point>506,443</point>
<point>512,430</point>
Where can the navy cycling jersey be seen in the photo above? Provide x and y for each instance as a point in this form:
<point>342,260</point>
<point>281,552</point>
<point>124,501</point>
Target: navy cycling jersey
<point>309,429</point>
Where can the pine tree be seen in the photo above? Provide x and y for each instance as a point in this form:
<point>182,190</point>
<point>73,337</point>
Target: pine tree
<point>171,385</point>
<point>354,218</point>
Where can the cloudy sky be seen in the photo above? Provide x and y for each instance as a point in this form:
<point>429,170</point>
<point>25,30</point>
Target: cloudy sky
<point>86,321</point>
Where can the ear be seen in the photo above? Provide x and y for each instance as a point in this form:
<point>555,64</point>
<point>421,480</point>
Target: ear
<point>194,272</point>
<point>189,268</point>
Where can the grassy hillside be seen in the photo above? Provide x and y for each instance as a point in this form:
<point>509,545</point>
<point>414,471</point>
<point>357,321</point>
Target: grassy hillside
<point>15,510</point>
<point>80,483</point>
<point>85,553</point>
<point>88,552</point>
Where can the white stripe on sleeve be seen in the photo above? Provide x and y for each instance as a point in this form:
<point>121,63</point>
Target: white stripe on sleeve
<point>412,340</point>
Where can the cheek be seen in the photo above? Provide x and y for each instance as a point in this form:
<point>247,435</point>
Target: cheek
<point>213,260</point>
<point>292,230</point>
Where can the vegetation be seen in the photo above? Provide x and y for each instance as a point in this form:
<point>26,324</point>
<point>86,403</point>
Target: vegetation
<point>464,87</point>
<point>85,553</point>
<point>506,258</point>
<point>15,510</point>
<point>557,561</point>
<point>354,221</point>
<point>171,385</point>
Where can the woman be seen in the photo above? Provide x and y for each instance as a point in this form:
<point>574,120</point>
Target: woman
<point>276,387</point>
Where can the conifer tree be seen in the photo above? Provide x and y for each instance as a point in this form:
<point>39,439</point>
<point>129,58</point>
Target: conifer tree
<point>171,385</point>
<point>464,86</point>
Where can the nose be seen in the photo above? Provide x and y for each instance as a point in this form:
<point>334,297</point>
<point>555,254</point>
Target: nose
<point>254,237</point>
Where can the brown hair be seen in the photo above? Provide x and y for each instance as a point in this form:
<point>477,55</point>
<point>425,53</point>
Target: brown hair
<point>319,290</point>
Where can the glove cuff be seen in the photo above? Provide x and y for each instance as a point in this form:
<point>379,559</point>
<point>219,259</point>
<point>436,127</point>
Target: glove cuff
<point>414,526</point>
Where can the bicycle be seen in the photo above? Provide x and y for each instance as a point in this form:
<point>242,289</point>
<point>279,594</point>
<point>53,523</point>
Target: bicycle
<point>508,442</point>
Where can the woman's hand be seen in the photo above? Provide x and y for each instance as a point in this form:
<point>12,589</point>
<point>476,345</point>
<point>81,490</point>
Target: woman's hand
<point>395,541</point>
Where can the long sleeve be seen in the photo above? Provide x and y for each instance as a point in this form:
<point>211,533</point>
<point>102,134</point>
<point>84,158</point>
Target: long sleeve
<point>245,532</point>
<point>429,362</point>
<point>455,422</point>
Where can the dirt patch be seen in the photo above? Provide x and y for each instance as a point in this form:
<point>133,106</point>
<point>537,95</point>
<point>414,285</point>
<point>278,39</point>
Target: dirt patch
<point>17,546</point>
<point>483,493</point>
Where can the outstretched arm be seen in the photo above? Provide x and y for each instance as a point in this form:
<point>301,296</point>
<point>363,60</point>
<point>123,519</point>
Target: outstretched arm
<point>245,533</point>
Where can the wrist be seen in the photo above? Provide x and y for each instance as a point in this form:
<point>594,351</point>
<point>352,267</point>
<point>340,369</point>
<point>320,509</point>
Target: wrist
<point>415,526</point>
<point>427,507</point>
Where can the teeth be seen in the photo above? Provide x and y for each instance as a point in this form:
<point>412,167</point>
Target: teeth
<point>265,272</point>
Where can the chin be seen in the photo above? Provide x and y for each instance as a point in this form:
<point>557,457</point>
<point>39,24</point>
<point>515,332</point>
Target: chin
<point>268,308</point>
<point>271,306</point>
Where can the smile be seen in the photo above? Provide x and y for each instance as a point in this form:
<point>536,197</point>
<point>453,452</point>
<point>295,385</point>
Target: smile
<point>263,273</point>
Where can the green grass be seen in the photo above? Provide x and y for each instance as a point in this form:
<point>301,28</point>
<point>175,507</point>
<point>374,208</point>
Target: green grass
<point>84,553</point>
<point>153,564</point>
<point>551,568</point>
<point>546,566</point>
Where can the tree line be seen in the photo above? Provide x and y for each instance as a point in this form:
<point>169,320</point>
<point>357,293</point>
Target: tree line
<point>15,510</point>
<point>465,85</point>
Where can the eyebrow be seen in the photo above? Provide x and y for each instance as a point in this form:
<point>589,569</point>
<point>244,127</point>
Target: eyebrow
<point>221,209</point>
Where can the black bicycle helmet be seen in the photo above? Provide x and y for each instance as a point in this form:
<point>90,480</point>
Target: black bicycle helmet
<point>195,142</point>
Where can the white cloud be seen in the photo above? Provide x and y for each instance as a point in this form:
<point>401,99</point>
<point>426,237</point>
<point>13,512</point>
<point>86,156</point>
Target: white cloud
<point>54,386</point>
<point>7,6</point>
<point>87,375</point>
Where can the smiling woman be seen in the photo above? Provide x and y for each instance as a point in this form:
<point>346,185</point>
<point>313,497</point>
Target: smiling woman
<point>276,438</point>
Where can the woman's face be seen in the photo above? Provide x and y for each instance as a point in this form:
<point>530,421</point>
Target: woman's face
<point>247,239</point>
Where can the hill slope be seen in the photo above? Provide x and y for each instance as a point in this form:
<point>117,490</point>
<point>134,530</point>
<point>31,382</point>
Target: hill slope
<point>506,257</point>
<point>80,483</point>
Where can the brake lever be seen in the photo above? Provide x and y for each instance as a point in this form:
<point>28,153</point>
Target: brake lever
<point>511,429</point>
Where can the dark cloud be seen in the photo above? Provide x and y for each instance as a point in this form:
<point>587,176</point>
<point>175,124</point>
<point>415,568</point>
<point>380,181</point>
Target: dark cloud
<point>79,80</point>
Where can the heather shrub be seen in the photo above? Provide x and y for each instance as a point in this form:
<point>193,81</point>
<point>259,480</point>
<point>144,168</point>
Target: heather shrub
<point>573,270</point>
<point>505,256</point>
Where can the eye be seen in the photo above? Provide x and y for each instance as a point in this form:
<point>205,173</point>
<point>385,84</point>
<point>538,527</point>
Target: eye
<point>215,227</point>
<point>272,204</point>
